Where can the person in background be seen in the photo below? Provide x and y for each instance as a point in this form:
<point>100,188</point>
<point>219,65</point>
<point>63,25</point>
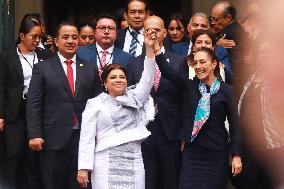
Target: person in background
<point>16,64</point>
<point>86,34</point>
<point>161,150</point>
<point>206,38</point>
<point>46,41</point>
<point>114,125</point>
<point>224,22</point>
<point>131,38</point>
<point>121,19</point>
<point>103,52</point>
<point>176,39</point>
<point>59,90</point>
<point>207,145</point>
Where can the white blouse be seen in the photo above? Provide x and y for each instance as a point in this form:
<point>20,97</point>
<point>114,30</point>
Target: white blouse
<point>111,121</point>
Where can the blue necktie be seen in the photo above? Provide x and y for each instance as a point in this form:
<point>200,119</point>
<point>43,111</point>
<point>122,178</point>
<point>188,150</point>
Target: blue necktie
<point>133,45</point>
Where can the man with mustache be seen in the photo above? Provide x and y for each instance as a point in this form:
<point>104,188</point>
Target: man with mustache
<point>131,38</point>
<point>103,51</point>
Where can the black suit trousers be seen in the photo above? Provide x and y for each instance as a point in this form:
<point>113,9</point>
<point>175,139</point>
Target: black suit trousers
<point>59,167</point>
<point>21,165</point>
<point>161,159</point>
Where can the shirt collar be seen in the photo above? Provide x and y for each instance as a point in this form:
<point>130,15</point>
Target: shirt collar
<point>109,50</point>
<point>63,59</point>
<point>163,50</point>
<point>139,32</point>
<point>29,53</point>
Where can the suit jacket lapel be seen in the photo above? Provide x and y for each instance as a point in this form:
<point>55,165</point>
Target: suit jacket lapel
<point>79,73</point>
<point>168,58</point>
<point>93,53</point>
<point>18,65</point>
<point>61,74</point>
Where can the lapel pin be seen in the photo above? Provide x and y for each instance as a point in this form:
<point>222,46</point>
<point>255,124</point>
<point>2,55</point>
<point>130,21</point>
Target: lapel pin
<point>41,60</point>
<point>81,65</point>
<point>168,60</point>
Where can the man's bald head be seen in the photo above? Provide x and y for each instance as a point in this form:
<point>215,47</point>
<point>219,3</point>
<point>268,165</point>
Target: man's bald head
<point>156,24</point>
<point>155,19</point>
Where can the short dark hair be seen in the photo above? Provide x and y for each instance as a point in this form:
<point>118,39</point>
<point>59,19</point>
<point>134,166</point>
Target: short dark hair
<point>109,68</point>
<point>229,9</point>
<point>64,23</point>
<point>142,1</point>
<point>199,32</point>
<point>101,16</point>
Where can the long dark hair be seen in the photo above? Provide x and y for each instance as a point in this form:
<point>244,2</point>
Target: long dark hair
<point>213,58</point>
<point>27,23</point>
<point>181,21</point>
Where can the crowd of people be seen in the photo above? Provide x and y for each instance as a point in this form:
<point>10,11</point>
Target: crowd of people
<point>134,101</point>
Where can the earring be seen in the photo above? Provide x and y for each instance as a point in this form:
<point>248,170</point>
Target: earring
<point>106,89</point>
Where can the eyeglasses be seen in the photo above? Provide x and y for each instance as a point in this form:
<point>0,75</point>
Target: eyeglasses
<point>216,19</point>
<point>34,36</point>
<point>109,28</point>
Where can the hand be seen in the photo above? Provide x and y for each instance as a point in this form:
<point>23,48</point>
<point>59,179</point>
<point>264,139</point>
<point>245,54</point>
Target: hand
<point>150,39</point>
<point>82,178</point>
<point>36,144</point>
<point>236,165</point>
<point>182,146</point>
<point>221,65</point>
<point>226,43</point>
<point>1,125</point>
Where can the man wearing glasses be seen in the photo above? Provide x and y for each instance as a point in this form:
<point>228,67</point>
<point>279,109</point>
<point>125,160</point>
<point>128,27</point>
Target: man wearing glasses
<point>224,23</point>
<point>103,51</point>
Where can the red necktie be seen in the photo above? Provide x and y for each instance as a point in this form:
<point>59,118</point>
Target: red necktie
<point>103,62</point>
<point>70,78</point>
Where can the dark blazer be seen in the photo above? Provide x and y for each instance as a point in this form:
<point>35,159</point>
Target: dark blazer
<point>235,32</point>
<point>12,81</point>
<point>120,40</point>
<point>89,53</point>
<point>213,135</point>
<point>51,106</point>
<point>167,96</point>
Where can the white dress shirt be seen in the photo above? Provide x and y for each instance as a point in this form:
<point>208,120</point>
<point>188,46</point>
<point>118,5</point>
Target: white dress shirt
<point>109,55</point>
<point>62,60</point>
<point>27,61</point>
<point>128,39</point>
<point>189,47</point>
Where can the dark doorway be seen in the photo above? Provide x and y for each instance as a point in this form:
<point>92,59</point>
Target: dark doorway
<point>86,10</point>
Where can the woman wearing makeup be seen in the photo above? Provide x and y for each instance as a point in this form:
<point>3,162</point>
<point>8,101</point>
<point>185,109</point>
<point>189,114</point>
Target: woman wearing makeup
<point>16,64</point>
<point>207,101</point>
<point>113,127</point>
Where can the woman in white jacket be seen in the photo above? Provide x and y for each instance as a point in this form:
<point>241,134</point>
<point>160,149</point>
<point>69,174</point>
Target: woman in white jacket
<point>113,127</point>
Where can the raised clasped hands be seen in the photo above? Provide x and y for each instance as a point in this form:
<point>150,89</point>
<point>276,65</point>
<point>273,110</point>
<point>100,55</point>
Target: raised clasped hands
<point>151,42</point>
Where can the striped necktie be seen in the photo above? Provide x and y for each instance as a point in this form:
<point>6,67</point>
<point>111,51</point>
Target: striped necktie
<point>133,44</point>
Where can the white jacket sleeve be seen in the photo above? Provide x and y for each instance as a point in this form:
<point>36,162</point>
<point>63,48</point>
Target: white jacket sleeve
<point>87,142</point>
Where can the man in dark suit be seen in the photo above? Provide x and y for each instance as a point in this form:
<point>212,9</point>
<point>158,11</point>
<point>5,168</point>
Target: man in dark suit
<point>131,39</point>
<point>223,20</point>
<point>59,90</point>
<point>105,35</point>
<point>161,152</point>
